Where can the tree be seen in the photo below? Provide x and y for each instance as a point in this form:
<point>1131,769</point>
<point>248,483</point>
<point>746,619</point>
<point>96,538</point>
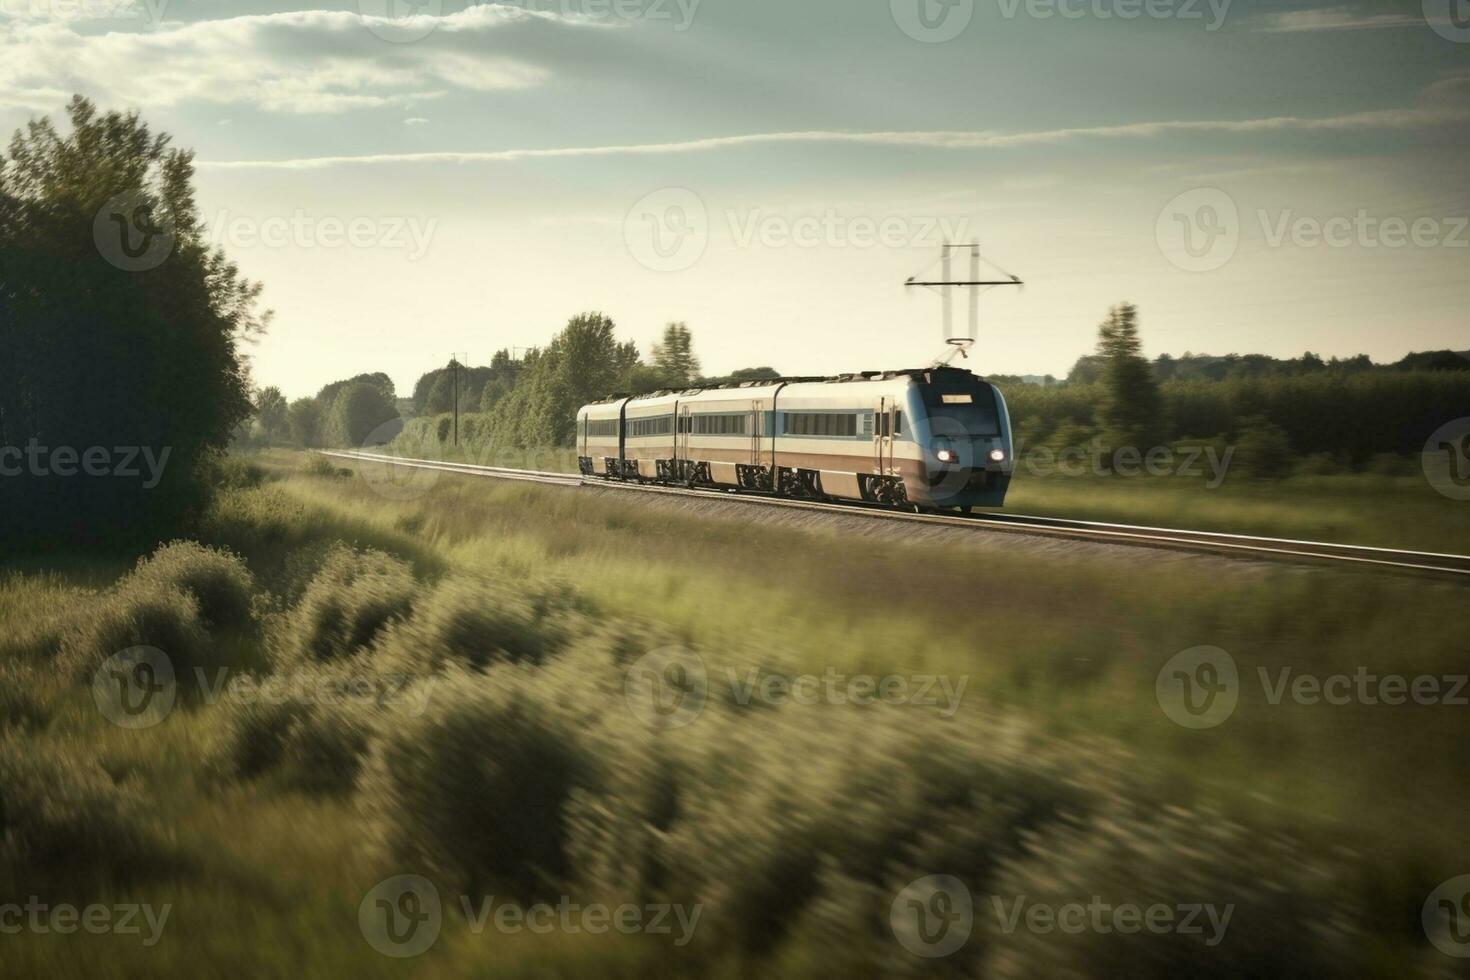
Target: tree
<point>271,413</point>
<point>674,356</point>
<point>119,327</point>
<point>1131,407</point>
<point>305,419</point>
<point>361,416</point>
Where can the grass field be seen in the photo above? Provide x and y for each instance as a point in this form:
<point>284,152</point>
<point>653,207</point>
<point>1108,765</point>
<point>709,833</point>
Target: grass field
<point>500,736</point>
<point>1398,508</point>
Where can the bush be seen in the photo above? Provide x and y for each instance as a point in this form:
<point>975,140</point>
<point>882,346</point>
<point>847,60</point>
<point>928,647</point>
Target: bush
<point>351,599</point>
<point>21,707</point>
<point>474,790</point>
<point>217,579</point>
<point>1263,450</point>
<point>61,812</point>
<point>139,614</point>
<point>471,623</point>
<point>305,732</point>
<point>1290,914</point>
<point>319,465</point>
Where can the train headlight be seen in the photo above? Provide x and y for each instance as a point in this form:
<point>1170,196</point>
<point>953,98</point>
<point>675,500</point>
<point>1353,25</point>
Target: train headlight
<point>997,455</point>
<point>948,456</point>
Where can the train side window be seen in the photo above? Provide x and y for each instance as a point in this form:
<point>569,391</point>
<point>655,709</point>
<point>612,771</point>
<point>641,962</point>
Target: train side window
<point>898,422</point>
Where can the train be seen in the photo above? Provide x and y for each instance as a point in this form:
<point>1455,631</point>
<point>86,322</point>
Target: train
<point>935,438</point>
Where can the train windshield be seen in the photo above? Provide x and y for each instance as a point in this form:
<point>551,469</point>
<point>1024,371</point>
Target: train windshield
<point>962,409</point>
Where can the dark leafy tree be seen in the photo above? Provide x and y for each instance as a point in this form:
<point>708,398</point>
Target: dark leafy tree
<point>119,327</point>
<point>1131,410</point>
<point>361,416</point>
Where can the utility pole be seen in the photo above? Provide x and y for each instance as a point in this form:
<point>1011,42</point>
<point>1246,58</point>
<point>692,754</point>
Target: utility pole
<point>454,386</point>
<point>946,282</point>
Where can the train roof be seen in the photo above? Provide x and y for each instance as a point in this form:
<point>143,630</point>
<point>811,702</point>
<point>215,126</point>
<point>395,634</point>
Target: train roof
<point>925,374</point>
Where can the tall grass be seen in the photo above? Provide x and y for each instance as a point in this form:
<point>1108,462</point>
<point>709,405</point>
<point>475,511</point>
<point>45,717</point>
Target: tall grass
<point>477,643</point>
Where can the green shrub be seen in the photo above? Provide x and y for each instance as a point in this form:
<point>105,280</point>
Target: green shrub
<point>306,732</point>
<point>139,614</point>
<point>21,704</point>
<point>1263,450</point>
<point>60,811</point>
<point>474,790</point>
<point>322,466</point>
<point>351,599</point>
<point>217,579</point>
<point>472,623</point>
<point>1291,912</point>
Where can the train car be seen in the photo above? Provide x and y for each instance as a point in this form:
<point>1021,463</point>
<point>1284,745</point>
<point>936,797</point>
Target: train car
<point>600,438</point>
<point>926,438</point>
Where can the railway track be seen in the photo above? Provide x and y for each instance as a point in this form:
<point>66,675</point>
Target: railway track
<point>1237,545</point>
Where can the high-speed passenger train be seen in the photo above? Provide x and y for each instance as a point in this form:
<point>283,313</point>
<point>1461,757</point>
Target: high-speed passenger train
<point>929,438</point>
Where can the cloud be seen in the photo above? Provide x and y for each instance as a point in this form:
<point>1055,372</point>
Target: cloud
<point>1336,19</point>
<point>1440,106</point>
<point>415,121</point>
<point>313,61</point>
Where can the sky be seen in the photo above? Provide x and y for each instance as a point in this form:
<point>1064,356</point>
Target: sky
<point>412,181</point>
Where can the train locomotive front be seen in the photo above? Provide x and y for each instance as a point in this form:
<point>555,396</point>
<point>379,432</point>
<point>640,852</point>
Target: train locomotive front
<point>932,438</point>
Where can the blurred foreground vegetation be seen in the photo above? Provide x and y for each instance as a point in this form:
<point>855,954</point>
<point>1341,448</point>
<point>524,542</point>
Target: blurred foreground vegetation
<point>510,760</point>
